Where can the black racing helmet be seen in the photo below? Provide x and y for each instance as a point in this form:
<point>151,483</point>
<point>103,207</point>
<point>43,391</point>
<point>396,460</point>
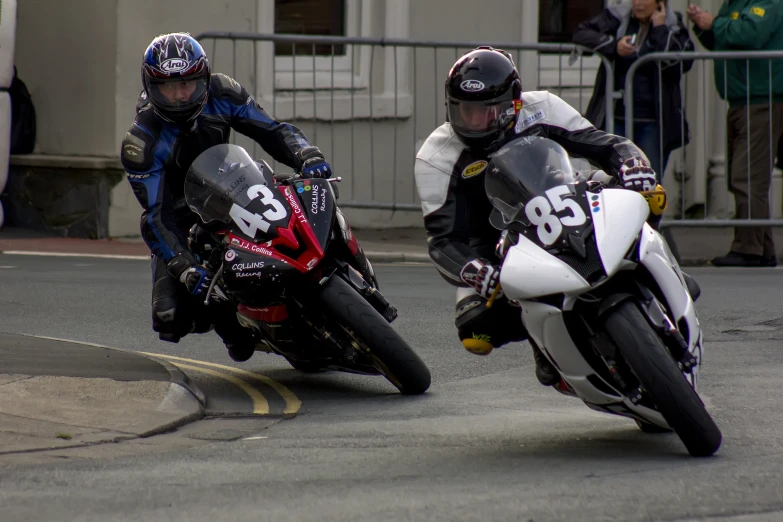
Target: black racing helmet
<point>483,90</point>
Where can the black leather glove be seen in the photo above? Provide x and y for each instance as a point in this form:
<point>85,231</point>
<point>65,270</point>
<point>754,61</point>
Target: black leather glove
<point>481,275</point>
<point>636,174</point>
<point>195,277</point>
<point>314,164</point>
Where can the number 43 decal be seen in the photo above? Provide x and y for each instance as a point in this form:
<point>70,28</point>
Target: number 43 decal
<point>250,223</point>
<point>549,227</point>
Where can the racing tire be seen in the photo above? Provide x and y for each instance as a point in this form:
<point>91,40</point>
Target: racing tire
<point>662,380</point>
<point>395,359</point>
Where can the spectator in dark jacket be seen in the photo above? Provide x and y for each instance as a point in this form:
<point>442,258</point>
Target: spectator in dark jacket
<point>623,33</point>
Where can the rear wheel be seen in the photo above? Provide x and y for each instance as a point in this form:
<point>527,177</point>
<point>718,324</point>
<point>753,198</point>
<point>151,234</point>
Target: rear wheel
<point>661,379</point>
<point>393,357</point>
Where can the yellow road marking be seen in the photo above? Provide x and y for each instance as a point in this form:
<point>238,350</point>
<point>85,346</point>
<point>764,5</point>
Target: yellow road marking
<point>260,406</point>
<point>292,402</point>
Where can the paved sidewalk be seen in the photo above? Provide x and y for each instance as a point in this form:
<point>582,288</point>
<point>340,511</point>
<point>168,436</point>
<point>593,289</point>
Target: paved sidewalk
<point>56,394</point>
<point>381,246</point>
<point>696,246</point>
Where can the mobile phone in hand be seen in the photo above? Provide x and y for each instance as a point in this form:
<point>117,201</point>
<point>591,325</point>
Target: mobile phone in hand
<point>633,39</point>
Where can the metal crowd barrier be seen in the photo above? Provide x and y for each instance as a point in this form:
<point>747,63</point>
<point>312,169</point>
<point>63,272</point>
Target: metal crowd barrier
<point>370,111</point>
<point>710,186</point>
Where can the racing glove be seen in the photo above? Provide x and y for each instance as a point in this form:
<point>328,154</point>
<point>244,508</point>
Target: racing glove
<point>482,276</point>
<point>636,174</point>
<point>196,278</point>
<point>314,164</point>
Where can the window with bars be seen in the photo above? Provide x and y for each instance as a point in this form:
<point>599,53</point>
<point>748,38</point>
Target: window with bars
<point>557,19</point>
<point>312,17</point>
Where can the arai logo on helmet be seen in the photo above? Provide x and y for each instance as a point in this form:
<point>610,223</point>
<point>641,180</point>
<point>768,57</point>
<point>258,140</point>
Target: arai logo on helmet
<point>174,65</point>
<point>472,86</point>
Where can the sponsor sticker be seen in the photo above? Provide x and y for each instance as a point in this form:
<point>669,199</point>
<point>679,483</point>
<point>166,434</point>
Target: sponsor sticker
<point>240,267</point>
<point>251,247</point>
<point>471,86</point>
<point>474,169</point>
<point>230,255</point>
<point>249,274</point>
<point>522,124</point>
<point>174,65</point>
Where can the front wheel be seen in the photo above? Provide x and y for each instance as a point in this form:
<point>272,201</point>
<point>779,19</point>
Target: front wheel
<point>662,380</point>
<point>394,358</point>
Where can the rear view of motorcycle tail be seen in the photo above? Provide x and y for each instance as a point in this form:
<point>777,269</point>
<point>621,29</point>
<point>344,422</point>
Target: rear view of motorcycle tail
<point>608,304</point>
<point>285,256</point>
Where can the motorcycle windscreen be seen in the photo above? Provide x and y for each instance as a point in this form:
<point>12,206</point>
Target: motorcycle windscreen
<point>533,189</point>
<point>224,184</point>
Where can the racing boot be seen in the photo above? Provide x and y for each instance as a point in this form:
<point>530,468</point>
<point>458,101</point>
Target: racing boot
<point>240,341</point>
<point>240,352</point>
<point>482,329</point>
<point>545,372</point>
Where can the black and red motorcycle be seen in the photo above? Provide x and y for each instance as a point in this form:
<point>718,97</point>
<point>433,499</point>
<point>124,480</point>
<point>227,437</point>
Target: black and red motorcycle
<point>285,256</point>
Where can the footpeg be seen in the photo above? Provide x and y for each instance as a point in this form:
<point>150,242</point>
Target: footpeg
<point>688,362</point>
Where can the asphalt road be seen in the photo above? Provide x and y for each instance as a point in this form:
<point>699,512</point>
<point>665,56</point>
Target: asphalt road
<point>487,442</point>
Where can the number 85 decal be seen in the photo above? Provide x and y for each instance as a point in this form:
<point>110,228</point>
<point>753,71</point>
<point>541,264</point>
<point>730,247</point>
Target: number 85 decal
<point>549,227</point>
<point>249,222</point>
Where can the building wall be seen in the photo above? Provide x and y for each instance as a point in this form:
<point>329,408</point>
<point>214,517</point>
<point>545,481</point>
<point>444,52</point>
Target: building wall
<point>142,20</point>
<point>86,110</point>
<point>66,53</point>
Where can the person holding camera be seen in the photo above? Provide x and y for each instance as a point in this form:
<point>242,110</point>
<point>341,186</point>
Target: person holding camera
<point>623,33</point>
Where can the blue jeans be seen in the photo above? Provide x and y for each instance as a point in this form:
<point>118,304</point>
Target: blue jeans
<point>646,135</point>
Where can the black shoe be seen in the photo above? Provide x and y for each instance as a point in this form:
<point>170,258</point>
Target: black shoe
<point>737,259</point>
<point>241,352</point>
<point>693,286</point>
<point>169,337</point>
<point>769,261</point>
<point>545,372</point>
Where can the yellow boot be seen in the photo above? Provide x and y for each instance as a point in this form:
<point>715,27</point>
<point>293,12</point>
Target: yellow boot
<point>478,344</point>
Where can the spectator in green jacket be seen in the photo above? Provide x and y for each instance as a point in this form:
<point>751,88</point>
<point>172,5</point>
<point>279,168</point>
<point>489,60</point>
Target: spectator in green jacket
<point>755,116</point>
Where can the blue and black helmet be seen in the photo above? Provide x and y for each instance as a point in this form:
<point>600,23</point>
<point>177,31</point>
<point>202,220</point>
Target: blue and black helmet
<point>175,73</point>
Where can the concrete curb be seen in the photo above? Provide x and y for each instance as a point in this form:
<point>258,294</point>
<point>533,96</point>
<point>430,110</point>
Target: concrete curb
<point>181,378</point>
<point>377,256</point>
<point>178,401</point>
<point>184,398</point>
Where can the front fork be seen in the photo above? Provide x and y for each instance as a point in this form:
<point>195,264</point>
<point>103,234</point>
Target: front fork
<point>369,291</point>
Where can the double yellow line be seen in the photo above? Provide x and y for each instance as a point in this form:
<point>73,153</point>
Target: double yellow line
<point>260,404</point>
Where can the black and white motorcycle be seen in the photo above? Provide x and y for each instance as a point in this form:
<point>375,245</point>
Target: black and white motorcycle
<point>600,292</point>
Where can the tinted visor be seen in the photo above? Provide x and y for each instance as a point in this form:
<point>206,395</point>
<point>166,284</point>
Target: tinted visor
<point>177,95</point>
<point>478,118</point>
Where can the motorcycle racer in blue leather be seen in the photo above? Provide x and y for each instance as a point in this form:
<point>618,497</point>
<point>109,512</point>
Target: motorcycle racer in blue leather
<point>183,110</point>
